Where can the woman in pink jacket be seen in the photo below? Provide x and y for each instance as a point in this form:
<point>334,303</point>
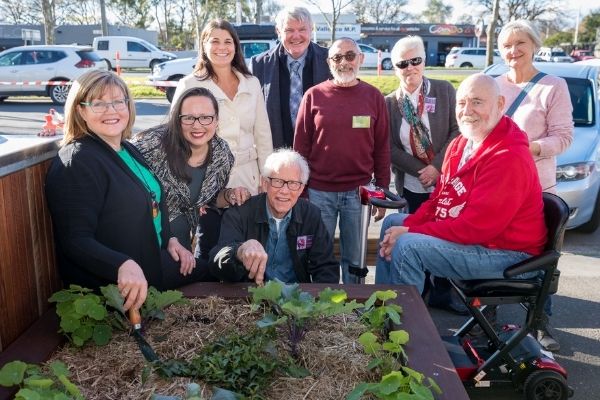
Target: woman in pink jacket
<point>543,111</point>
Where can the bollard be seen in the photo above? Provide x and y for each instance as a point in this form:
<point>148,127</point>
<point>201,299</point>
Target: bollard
<point>378,62</point>
<point>118,63</point>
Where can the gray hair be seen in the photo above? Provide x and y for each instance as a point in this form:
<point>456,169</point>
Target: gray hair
<point>408,43</point>
<point>521,25</point>
<point>331,52</point>
<point>286,158</point>
<point>297,13</point>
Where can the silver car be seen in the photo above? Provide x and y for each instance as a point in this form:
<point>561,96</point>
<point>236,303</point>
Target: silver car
<point>578,168</point>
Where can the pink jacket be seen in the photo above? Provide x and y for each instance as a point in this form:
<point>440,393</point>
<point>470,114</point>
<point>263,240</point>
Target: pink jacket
<point>494,200</point>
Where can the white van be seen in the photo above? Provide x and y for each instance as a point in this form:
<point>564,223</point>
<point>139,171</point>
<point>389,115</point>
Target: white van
<point>133,52</point>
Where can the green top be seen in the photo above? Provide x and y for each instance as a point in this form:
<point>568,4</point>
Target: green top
<point>150,183</point>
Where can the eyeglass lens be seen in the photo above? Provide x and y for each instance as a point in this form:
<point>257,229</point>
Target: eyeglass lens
<point>190,119</point>
<point>413,61</point>
<point>349,56</point>
<point>102,106</point>
<point>278,183</point>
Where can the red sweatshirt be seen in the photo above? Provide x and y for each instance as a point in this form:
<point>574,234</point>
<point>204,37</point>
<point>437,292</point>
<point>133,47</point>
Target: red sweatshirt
<point>343,132</point>
<point>494,200</point>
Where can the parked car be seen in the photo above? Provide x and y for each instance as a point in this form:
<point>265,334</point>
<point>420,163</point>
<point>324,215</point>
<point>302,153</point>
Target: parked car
<point>173,71</point>
<point>372,57</point>
<point>578,168</point>
<point>552,55</point>
<point>581,54</point>
<point>133,52</point>
<point>45,63</point>
<point>469,57</point>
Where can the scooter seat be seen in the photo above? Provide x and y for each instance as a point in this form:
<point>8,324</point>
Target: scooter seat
<point>499,287</point>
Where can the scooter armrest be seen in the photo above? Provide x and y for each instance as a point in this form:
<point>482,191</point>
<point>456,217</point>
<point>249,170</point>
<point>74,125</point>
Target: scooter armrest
<point>545,261</point>
<point>394,204</point>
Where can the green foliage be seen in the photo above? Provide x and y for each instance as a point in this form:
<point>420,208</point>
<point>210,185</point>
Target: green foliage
<point>35,383</point>
<point>405,384</point>
<point>558,38</point>
<point>377,313</point>
<point>242,363</point>
<point>86,316</point>
<point>297,310</point>
<point>387,356</point>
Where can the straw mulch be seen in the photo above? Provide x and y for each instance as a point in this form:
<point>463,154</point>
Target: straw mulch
<point>330,351</point>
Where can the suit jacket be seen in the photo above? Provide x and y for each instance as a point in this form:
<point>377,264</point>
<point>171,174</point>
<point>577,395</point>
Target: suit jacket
<point>271,70</point>
<point>309,242</point>
<point>442,125</point>
<point>102,215</point>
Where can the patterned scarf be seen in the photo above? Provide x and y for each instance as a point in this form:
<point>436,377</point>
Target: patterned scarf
<point>420,143</point>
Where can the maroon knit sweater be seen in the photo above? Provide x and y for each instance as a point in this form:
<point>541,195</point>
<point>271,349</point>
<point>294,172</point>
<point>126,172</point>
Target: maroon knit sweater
<point>343,132</point>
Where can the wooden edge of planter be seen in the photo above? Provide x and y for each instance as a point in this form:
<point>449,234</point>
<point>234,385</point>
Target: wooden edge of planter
<point>34,346</point>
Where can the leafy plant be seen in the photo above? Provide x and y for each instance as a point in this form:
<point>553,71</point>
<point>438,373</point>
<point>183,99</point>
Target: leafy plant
<point>377,313</point>
<point>387,355</point>
<point>85,315</point>
<point>36,383</point>
<point>242,363</point>
<point>297,310</point>
<point>404,384</point>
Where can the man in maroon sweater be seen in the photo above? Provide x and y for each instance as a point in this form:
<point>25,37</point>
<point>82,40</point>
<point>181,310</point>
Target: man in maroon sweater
<point>342,130</point>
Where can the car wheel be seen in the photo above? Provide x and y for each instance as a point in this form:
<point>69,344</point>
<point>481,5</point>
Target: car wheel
<point>386,64</point>
<point>170,92</point>
<point>154,63</point>
<point>466,65</point>
<point>594,222</point>
<point>58,93</point>
<point>546,385</point>
<point>108,65</point>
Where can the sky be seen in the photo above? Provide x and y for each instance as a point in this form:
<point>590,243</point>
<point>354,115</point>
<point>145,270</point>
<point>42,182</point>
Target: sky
<point>419,5</point>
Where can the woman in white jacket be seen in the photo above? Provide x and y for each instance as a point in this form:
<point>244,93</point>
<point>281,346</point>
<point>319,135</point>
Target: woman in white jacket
<point>243,120</point>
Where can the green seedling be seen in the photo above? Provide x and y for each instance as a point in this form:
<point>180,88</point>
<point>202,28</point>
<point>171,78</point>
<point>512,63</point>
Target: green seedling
<point>37,383</point>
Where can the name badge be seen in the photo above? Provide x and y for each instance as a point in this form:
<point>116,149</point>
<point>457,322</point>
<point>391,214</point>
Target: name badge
<point>430,104</point>
<point>304,242</point>
<point>361,121</point>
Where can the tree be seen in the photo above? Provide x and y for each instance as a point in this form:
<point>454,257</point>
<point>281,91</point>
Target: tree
<point>437,12</point>
<point>523,9</point>
<point>379,11</point>
<point>331,18</point>
<point>491,29</point>
<point>589,26</point>
<point>49,17</point>
<point>558,38</point>
<point>132,12</point>
<point>78,12</point>
<point>20,12</point>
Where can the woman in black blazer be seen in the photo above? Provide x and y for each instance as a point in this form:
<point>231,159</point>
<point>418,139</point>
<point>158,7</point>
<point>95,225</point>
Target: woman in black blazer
<point>108,212</point>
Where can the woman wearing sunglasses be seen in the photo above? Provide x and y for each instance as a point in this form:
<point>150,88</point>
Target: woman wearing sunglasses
<point>193,164</point>
<point>244,122</point>
<point>422,123</point>
<point>108,210</point>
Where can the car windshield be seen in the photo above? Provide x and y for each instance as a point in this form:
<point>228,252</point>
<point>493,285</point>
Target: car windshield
<point>582,98</point>
<point>559,53</point>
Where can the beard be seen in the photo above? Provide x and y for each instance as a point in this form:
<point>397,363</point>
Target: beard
<point>343,75</point>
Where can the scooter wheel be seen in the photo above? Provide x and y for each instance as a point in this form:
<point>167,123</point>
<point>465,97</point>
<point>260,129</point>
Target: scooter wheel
<point>546,385</point>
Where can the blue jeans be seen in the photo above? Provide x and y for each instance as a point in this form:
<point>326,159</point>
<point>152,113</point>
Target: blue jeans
<point>415,253</point>
<point>346,205</point>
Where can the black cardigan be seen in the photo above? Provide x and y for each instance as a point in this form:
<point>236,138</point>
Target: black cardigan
<point>250,221</point>
<point>102,215</point>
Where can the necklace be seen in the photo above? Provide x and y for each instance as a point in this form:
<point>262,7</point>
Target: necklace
<point>140,175</point>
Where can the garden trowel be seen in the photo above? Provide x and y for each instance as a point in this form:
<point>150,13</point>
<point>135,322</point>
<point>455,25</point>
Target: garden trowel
<point>136,320</point>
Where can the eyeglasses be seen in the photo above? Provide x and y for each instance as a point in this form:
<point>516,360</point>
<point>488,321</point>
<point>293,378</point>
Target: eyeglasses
<point>100,107</point>
<point>413,61</point>
<point>278,183</point>
<point>349,56</point>
<point>203,119</point>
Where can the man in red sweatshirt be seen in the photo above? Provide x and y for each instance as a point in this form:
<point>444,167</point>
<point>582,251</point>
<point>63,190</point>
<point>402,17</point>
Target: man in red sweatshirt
<point>342,130</point>
<point>486,212</point>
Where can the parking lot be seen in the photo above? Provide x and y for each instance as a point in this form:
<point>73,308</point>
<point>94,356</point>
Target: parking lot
<point>576,304</point>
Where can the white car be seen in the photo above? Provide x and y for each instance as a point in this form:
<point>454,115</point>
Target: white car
<point>552,55</point>
<point>578,168</point>
<point>372,57</point>
<point>166,75</point>
<point>27,70</point>
<point>469,57</point>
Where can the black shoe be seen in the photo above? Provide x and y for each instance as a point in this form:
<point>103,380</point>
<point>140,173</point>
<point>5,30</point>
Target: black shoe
<point>491,314</point>
<point>451,306</point>
<point>545,338</point>
<point>442,296</point>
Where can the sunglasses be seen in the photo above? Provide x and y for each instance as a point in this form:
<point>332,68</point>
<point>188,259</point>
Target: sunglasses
<point>413,61</point>
<point>349,56</point>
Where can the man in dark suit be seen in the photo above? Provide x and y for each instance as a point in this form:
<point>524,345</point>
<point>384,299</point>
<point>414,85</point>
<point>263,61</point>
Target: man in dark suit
<point>288,70</point>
